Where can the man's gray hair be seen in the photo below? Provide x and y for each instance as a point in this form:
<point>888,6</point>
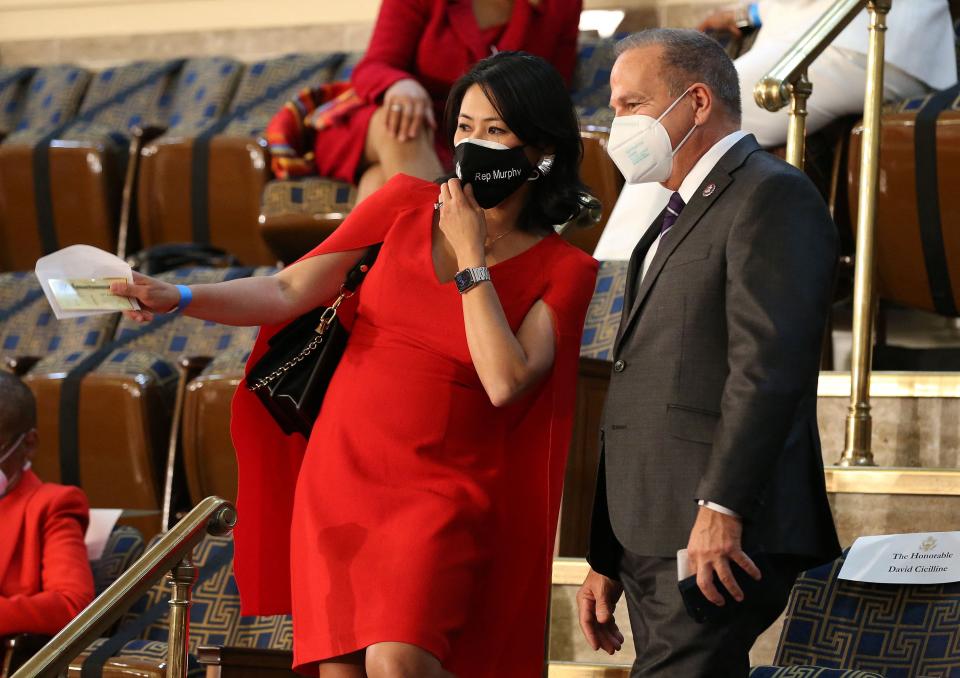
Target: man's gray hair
<point>688,57</point>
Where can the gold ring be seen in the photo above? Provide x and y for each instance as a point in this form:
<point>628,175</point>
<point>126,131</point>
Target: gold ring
<point>396,107</point>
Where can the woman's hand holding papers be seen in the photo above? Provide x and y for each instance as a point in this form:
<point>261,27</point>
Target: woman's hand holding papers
<point>155,296</point>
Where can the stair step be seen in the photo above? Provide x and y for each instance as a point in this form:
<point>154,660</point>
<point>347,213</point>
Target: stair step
<point>574,670</point>
<point>916,418</point>
<point>864,502</point>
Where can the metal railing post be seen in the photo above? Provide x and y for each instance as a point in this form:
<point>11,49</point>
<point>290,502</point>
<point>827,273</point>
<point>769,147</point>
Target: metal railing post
<point>857,448</point>
<point>800,90</point>
<point>211,516</point>
<point>181,579</point>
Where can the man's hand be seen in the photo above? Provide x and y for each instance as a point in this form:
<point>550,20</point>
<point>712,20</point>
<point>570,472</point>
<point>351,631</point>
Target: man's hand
<point>596,601</point>
<point>714,542</point>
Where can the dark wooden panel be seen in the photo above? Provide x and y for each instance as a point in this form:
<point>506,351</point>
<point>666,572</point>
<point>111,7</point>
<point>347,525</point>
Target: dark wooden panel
<point>584,454</point>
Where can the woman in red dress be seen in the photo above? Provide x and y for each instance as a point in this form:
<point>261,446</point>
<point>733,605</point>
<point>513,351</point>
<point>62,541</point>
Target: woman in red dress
<point>421,530</point>
<point>418,49</point>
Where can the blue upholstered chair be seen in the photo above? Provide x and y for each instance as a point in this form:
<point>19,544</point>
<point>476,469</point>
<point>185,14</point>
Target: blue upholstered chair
<point>77,169</point>
<point>207,188</point>
<point>123,547</point>
<point>201,96</point>
<point>209,458</point>
<point>119,420</point>
<point>591,96</point>
<point>893,631</point>
<point>14,82</point>
<point>603,315</point>
<point>297,214</point>
<point>123,98</point>
<point>49,102</point>
<point>591,81</point>
<point>29,331</point>
<point>215,621</point>
<point>808,672</point>
<point>267,84</point>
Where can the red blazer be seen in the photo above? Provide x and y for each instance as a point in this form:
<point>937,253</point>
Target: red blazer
<point>437,41</point>
<point>45,577</point>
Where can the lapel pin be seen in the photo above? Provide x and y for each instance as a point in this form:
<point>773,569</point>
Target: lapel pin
<point>708,191</point>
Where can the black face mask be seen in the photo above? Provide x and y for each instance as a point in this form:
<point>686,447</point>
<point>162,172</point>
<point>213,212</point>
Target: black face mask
<point>494,171</point>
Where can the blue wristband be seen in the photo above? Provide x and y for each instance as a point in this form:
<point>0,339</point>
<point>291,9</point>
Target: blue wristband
<point>186,296</point>
<point>754,13</point>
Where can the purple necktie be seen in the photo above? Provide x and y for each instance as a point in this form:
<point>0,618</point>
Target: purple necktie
<point>674,208</point>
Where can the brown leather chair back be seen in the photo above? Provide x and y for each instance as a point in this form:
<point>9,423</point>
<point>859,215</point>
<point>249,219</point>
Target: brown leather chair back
<point>918,205</point>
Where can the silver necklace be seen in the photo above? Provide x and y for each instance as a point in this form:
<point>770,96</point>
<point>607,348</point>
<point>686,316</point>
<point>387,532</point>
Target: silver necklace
<point>505,233</point>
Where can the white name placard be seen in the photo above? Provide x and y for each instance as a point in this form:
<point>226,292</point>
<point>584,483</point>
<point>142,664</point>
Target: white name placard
<point>919,558</point>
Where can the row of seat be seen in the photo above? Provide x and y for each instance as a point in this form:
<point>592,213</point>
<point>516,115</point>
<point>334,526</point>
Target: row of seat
<point>109,395</point>
<point>171,151</point>
<point>118,400</point>
<point>68,167</point>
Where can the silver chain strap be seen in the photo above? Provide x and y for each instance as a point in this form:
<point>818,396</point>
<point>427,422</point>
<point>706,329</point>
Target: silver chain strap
<point>329,315</point>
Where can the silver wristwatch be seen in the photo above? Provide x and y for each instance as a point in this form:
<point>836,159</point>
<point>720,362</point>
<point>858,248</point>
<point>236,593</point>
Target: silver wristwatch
<point>469,278</point>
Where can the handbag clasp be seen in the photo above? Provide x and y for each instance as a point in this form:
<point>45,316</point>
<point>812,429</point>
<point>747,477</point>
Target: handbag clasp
<point>330,313</point>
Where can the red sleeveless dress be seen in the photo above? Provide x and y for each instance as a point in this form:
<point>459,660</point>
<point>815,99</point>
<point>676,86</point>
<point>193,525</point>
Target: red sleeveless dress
<point>417,512</point>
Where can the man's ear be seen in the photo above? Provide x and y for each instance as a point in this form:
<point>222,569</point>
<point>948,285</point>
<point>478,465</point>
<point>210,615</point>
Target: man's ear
<point>702,97</point>
<point>30,442</point>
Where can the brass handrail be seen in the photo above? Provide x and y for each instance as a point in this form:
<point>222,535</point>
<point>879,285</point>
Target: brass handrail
<point>859,430</point>
<point>171,554</point>
<point>771,92</point>
<point>787,83</point>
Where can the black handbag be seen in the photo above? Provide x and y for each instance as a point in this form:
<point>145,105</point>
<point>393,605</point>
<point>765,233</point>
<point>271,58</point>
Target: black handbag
<point>291,378</point>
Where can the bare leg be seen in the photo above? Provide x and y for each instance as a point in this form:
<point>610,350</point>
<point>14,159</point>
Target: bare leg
<point>370,181</point>
<point>402,660</point>
<point>347,666</point>
<point>415,157</point>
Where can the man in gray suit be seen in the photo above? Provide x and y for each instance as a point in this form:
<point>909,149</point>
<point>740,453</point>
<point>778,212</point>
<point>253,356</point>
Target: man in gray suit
<point>709,434</point>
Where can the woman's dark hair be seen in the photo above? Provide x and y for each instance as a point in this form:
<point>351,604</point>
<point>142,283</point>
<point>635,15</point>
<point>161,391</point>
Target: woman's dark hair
<point>533,101</point>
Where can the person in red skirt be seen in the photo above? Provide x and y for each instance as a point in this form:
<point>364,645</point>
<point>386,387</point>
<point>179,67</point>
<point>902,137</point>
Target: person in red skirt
<point>419,518</point>
<point>417,51</point>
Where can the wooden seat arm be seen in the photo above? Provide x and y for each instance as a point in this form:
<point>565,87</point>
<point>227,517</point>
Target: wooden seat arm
<point>240,662</point>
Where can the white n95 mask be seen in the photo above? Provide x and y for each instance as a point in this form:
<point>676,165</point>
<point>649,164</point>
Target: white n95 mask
<point>640,146</point>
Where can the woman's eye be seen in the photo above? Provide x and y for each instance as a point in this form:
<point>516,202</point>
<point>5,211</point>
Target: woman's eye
<point>496,130</point>
<point>463,127</point>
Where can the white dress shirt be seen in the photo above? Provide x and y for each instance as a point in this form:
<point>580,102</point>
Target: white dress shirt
<point>691,184</point>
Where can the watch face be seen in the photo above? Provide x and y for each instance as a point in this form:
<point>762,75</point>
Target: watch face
<point>463,279</point>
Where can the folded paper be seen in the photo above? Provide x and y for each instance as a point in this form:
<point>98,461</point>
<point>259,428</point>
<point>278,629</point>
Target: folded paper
<point>918,558</point>
<point>76,281</point>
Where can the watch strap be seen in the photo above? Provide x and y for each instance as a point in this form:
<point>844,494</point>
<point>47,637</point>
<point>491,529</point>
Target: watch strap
<point>469,278</point>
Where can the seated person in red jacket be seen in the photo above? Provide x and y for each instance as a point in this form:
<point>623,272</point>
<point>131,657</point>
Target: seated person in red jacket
<point>45,577</point>
<point>419,48</point>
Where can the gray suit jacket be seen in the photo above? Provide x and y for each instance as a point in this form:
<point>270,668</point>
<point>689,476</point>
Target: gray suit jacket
<point>714,390</point>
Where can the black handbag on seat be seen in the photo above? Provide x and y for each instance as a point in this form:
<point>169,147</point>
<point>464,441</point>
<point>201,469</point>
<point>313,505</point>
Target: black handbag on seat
<point>291,378</point>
